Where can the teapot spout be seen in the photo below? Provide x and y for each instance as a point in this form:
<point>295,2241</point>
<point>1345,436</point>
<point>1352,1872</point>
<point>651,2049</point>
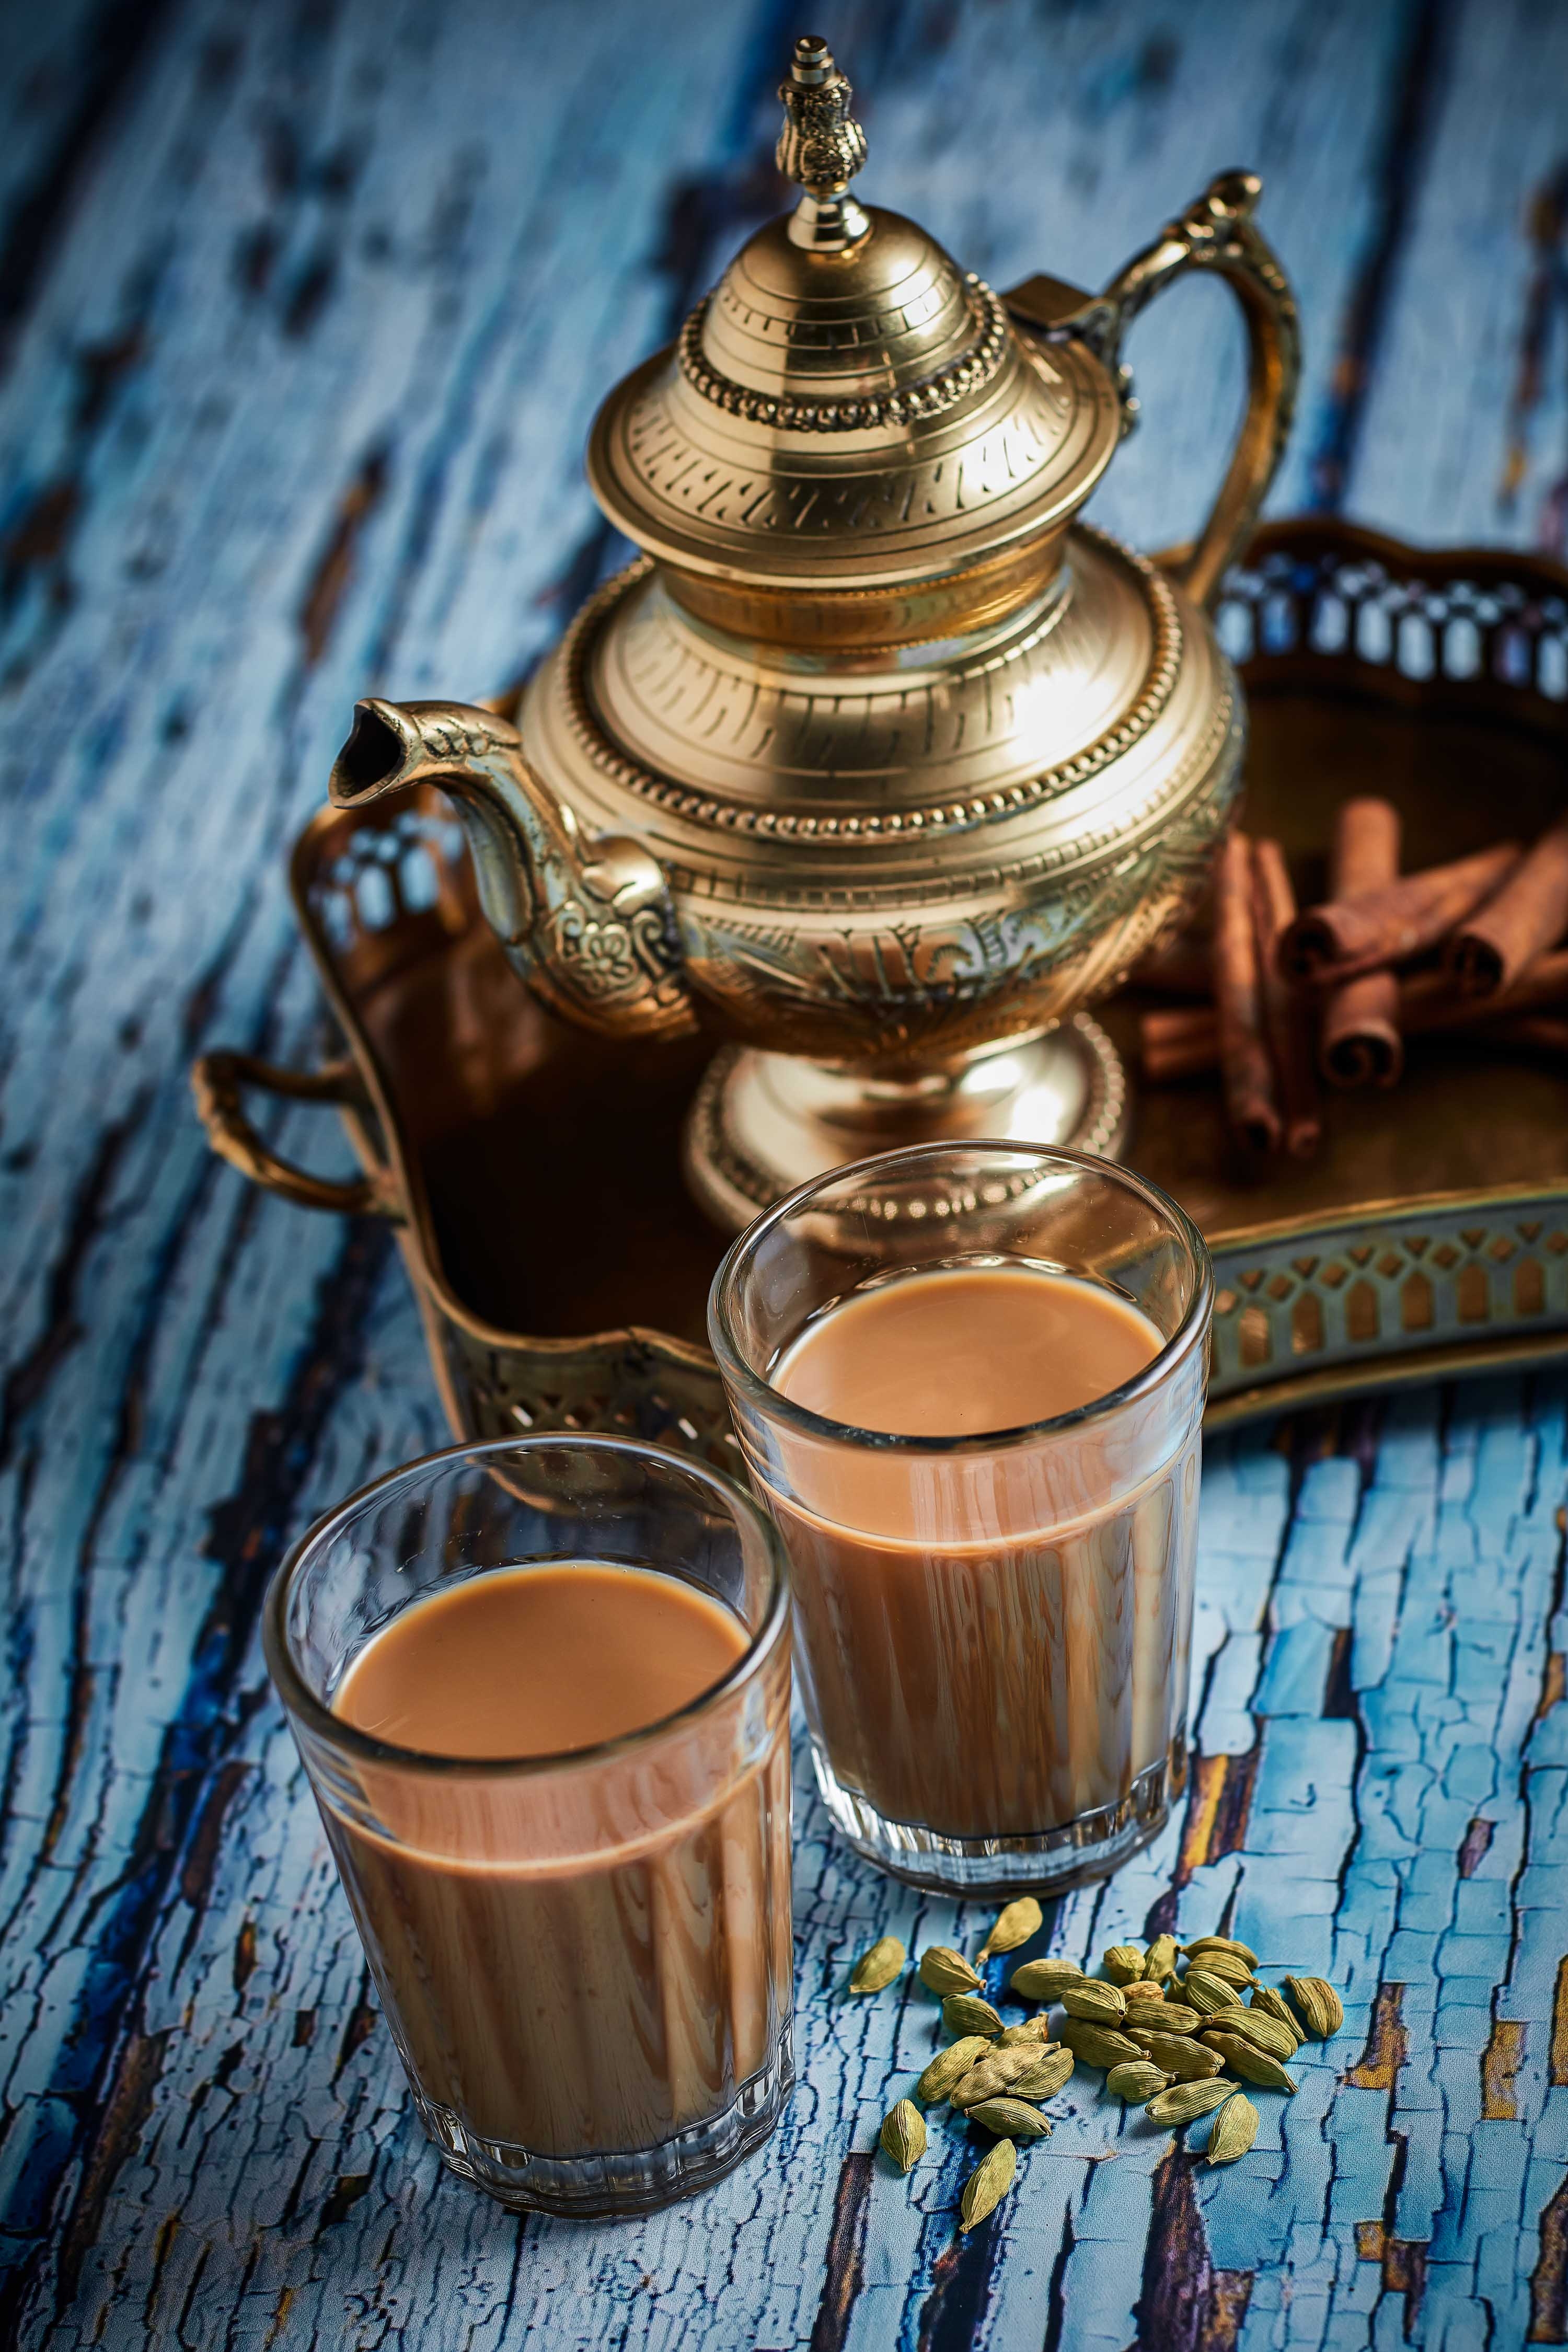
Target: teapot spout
<point>587,920</point>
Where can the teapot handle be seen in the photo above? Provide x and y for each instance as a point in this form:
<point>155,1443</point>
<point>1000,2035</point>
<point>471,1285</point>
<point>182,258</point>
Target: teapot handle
<point>1215,233</point>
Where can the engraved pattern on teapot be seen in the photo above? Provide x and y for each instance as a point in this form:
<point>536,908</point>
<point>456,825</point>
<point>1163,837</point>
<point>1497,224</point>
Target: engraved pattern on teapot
<point>589,916</point>
<point>1001,462</point>
<point>959,728</point>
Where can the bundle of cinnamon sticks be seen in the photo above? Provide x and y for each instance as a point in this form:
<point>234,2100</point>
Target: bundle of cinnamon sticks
<point>1334,991</point>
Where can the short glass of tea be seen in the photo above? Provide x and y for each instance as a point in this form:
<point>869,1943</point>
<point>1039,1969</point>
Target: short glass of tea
<point>969,1380</point>
<point>541,1688</point>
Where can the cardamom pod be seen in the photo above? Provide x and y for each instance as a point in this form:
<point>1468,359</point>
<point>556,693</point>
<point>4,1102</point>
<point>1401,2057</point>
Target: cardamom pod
<point>1033,2029</point>
<point>904,2135</point>
<point>987,2184</point>
<point>1141,1991</point>
<point>950,2066</point>
<point>1228,1967</point>
<point>1018,1922</point>
<point>1202,1944</point>
<point>991,2075</point>
<point>1173,2017</point>
<point>1265,2033</point>
<point>1184,2102</point>
<point>944,1970</point>
<point>1234,2130</point>
<point>1160,1961</point>
<point>1205,1992</point>
<point>1101,2004</point>
<point>1044,1980</point>
<point>965,2012</point>
<point>1138,2079</point>
<point>875,1970</point>
<point>1123,1964</point>
<point>1252,2065</point>
<point>1274,2005</point>
<point>1047,2073</point>
<point>1323,2010</point>
<point>1096,2044</point>
<point>1176,2053</point>
<point>1010,2118</point>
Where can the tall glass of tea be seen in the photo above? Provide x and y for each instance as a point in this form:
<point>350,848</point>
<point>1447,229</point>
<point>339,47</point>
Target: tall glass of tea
<point>541,1688</point>
<point>968,1380</point>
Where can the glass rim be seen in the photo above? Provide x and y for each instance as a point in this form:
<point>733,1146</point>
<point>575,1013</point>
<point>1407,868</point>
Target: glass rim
<point>300,1703</point>
<point>760,1392</point>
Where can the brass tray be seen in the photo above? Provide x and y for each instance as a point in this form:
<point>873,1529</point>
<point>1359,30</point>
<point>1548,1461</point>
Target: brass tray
<point>533,1172</point>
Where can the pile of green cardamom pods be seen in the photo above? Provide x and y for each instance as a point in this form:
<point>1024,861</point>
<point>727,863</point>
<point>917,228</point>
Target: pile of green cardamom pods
<point>1163,2037</point>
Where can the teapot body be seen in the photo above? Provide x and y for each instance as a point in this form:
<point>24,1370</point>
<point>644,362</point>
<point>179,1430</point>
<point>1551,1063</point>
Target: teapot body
<point>878,765</point>
<point>879,857</point>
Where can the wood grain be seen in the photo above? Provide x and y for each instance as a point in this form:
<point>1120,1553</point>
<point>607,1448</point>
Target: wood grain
<point>304,312</point>
<point>1466,420</point>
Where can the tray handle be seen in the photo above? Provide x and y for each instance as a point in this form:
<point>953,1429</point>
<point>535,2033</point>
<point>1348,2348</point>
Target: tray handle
<point>218,1081</point>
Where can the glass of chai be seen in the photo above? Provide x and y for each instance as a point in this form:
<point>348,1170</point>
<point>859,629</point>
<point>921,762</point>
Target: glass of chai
<point>969,1382</point>
<point>541,1687</point>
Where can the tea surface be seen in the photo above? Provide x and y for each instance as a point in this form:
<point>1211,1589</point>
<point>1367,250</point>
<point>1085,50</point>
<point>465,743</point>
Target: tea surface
<point>539,1660</point>
<point>954,1352</point>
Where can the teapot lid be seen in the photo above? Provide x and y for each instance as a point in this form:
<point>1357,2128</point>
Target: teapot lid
<point>847,410</point>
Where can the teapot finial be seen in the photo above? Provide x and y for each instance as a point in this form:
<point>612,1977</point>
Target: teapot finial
<point>821,148</point>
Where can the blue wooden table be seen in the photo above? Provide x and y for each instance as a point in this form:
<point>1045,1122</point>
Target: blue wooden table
<point>304,306</point>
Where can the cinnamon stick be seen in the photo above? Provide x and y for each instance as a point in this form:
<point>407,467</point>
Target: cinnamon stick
<point>1178,1043</point>
<point>1525,917</point>
<point>1245,1064</point>
<point>1430,999</point>
<point>1287,1017</point>
<point>1344,937</point>
<point>1360,1044</point>
<point>1183,1042</point>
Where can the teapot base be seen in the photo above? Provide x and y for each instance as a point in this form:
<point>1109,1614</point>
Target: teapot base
<point>760,1123</point>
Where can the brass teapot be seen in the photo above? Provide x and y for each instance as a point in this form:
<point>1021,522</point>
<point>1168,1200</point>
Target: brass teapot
<point>876,764</point>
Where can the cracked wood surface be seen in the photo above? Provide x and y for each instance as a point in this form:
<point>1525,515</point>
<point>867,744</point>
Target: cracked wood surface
<point>304,311</point>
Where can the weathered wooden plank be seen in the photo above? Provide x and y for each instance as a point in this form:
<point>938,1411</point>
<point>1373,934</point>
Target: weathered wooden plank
<point>178,584</point>
<point>68,68</point>
<point>252,2008</point>
<point>1466,419</point>
<point>296,406</point>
